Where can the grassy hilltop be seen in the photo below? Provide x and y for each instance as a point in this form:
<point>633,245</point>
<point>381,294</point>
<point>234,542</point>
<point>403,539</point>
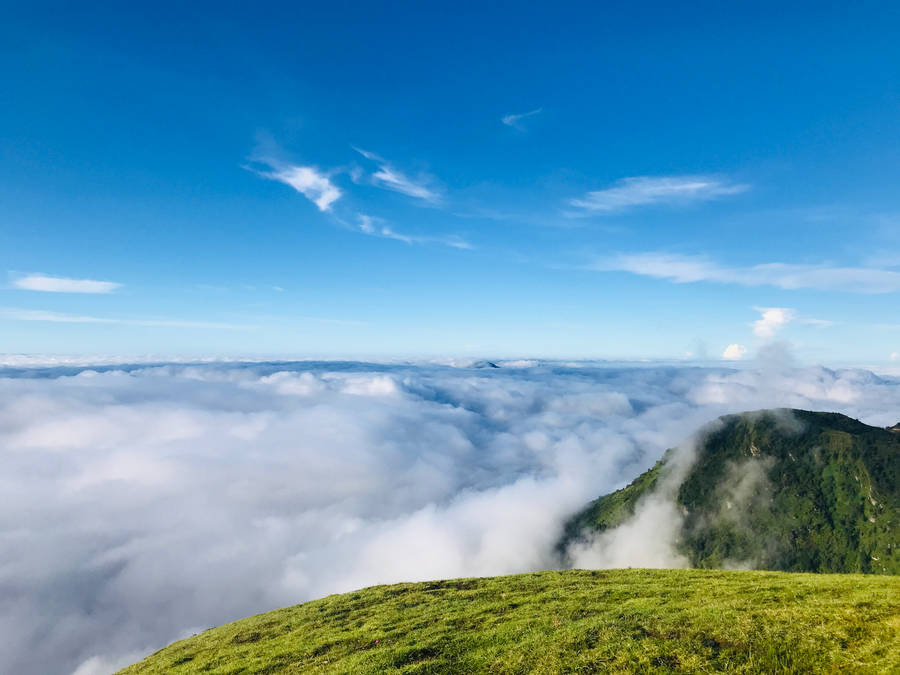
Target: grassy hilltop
<point>784,490</point>
<point>568,622</point>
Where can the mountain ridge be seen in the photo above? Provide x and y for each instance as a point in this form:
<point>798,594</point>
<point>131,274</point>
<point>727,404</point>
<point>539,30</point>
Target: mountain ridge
<point>782,489</point>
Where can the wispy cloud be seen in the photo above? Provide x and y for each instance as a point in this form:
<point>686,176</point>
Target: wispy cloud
<point>376,227</point>
<point>391,178</point>
<point>645,190</point>
<point>309,181</point>
<point>515,121</point>
<point>40,282</point>
<point>689,269</point>
<point>16,314</point>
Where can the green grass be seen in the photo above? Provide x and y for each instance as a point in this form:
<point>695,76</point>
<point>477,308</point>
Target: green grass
<point>627,621</point>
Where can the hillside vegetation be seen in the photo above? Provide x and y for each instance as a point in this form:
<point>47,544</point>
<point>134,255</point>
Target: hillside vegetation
<point>780,490</point>
<point>622,621</point>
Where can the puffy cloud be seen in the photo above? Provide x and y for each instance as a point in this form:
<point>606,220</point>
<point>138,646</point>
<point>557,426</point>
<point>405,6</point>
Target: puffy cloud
<point>771,321</point>
<point>644,190</point>
<point>734,352</point>
<point>41,282</point>
<point>145,503</point>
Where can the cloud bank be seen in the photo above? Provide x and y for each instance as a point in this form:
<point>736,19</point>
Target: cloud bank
<point>145,503</point>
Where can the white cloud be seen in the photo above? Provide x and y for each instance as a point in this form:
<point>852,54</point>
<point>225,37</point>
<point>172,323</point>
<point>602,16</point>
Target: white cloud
<point>40,282</point>
<point>644,190</point>
<point>148,503</point>
<point>772,320</point>
<point>515,121</point>
<point>15,314</point>
<point>895,356</point>
<point>734,352</point>
<point>689,269</point>
<point>390,178</point>
<point>376,227</point>
<point>309,181</point>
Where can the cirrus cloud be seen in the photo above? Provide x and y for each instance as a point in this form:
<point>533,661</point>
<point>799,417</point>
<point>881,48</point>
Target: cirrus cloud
<point>48,284</point>
<point>389,177</point>
<point>646,190</point>
<point>516,120</point>
<point>682,269</point>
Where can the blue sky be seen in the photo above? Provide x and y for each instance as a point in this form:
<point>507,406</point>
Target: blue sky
<point>557,180</point>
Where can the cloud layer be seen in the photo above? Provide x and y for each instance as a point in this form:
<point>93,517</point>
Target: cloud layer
<point>146,503</point>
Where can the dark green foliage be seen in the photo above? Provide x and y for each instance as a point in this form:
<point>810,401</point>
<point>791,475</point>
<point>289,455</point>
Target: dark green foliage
<point>783,490</point>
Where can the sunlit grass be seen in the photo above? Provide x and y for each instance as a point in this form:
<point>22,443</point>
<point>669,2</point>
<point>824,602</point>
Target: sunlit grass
<point>568,622</point>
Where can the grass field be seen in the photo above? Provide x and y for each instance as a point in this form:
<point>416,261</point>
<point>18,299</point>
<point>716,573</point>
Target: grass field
<point>568,622</point>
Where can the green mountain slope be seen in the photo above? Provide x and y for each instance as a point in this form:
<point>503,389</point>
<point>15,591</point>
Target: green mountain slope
<point>624,621</point>
<point>781,490</point>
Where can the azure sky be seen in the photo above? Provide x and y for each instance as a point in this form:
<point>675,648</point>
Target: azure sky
<point>594,180</point>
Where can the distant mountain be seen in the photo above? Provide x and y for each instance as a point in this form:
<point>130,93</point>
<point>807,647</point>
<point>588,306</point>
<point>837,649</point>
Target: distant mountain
<point>780,490</point>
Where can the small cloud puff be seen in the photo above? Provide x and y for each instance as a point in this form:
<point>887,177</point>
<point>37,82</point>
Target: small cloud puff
<point>734,352</point>
<point>771,321</point>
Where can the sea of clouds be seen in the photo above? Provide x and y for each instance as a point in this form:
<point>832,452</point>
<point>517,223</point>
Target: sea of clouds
<point>145,503</point>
